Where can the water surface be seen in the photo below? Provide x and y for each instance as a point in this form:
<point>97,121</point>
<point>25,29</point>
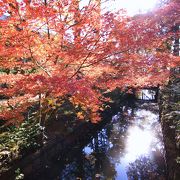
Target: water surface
<point>128,147</point>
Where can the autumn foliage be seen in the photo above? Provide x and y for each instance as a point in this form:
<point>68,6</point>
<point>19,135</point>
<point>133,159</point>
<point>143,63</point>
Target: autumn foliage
<point>52,50</point>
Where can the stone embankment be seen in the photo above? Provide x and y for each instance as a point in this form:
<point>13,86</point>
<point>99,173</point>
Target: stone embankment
<point>169,103</point>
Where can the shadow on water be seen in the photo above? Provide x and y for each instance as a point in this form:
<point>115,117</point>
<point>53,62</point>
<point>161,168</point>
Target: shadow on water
<point>129,147</point>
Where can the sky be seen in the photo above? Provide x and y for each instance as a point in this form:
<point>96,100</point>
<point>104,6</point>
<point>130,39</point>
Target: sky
<point>132,6</point>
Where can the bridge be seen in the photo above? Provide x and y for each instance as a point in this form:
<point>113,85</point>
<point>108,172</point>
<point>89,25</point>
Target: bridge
<point>147,94</point>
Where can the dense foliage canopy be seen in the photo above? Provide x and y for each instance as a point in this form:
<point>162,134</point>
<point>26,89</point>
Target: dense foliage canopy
<point>51,50</point>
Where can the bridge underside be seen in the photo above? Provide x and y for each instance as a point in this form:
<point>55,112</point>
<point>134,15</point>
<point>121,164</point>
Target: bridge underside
<point>147,94</point>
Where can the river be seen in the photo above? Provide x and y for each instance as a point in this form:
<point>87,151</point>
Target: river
<point>129,147</point>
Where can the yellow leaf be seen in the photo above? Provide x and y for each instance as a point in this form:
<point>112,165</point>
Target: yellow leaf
<point>80,115</point>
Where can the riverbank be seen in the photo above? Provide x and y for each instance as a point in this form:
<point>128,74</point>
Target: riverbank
<point>169,103</point>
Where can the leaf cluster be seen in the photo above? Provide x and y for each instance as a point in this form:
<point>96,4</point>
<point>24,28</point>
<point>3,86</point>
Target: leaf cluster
<point>18,140</point>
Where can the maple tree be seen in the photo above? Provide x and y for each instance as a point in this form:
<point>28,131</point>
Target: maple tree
<point>51,50</point>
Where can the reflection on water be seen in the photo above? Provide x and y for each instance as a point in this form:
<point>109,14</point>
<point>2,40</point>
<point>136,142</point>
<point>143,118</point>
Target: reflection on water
<point>138,143</point>
<point>129,147</point>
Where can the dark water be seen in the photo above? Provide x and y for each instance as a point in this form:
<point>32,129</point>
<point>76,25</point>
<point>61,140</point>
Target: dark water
<point>128,147</point>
